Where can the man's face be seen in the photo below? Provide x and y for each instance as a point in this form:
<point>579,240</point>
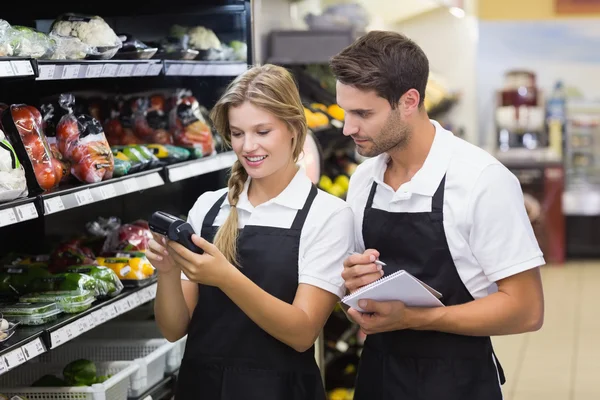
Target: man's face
<point>371,122</point>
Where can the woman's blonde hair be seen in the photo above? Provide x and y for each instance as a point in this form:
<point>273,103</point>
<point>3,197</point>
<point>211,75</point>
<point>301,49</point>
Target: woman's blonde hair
<point>273,89</point>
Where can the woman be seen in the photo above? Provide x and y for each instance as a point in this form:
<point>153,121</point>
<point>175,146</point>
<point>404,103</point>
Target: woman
<point>254,303</point>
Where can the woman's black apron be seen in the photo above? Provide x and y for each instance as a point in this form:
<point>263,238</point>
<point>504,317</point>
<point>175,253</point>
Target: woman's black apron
<point>227,355</point>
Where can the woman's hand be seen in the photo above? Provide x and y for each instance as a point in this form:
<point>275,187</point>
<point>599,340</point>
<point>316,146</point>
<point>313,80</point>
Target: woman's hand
<point>159,256</point>
<point>210,268</point>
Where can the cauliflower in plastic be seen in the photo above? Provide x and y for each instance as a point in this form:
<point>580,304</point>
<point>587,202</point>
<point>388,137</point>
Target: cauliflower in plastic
<point>13,183</point>
<point>93,31</point>
<point>202,38</point>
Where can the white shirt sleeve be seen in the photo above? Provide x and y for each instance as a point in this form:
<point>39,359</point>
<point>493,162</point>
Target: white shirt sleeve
<point>322,263</point>
<point>501,236</point>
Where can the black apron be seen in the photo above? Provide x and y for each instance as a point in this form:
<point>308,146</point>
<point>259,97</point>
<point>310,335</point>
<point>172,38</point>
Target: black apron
<point>227,355</point>
<point>423,365</point>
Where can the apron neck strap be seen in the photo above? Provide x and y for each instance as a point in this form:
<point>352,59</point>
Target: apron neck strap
<point>209,219</point>
<point>301,214</point>
<point>437,203</point>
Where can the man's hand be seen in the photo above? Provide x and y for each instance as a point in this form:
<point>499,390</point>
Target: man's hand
<point>379,317</point>
<point>360,270</point>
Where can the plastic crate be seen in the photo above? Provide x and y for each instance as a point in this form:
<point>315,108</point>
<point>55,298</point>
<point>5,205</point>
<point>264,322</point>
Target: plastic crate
<point>139,330</point>
<point>18,381</point>
<point>149,354</point>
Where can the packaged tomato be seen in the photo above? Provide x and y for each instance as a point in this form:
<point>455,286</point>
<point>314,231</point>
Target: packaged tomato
<point>50,117</point>
<point>81,140</point>
<point>188,126</point>
<point>128,238</point>
<point>158,120</point>
<point>24,126</point>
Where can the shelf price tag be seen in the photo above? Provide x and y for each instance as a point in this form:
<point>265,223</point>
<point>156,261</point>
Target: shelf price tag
<point>46,72</point>
<point>22,68</point>
<point>131,185</point>
<point>27,212</point>
<point>155,180</point>
<point>33,349</point>
<point>108,191</point>
<point>186,69</point>
<point>174,69</point>
<point>155,69</point>
<point>94,71</point>
<point>53,205</point>
<point>199,70</point>
<point>141,69</point>
<point>8,217</point>
<point>110,311</point>
<point>84,197</point>
<point>125,70</point>
<point>71,71</point>
<point>14,358</point>
<point>99,317</point>
<point>109,70</point>
<point>3,367</point>
<point>6,69</point>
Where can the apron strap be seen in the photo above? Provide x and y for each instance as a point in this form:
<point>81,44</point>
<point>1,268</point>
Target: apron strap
<point>211,215</point>
<point>371,195</point>
<point>301,214</point>
<point>500,369</point>
<point>437,202</point>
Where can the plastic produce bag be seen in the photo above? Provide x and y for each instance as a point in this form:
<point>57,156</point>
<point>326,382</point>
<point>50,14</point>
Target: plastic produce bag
<point>188,126</point>
<point>16,280</point>
<point>64,282</point>
<point>6,33</point>
<point>91,30</point>
<point>70,254</point>
<point>128,238</point>
<point>28,42</point>
<point>23,123</point>
<point>129,267</point>
<point>81,140</point>
<point>109,284</point>
<point>69,48</point>
<point>13,183</point>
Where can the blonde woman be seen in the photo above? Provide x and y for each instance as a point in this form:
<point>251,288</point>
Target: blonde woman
<point>254,303</point>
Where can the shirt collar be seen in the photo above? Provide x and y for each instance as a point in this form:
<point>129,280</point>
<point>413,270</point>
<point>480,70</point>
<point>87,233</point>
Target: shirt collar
<point>293,196</point>
<point>427,179</point>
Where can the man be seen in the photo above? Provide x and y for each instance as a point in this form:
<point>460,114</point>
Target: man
<point>443,210</point>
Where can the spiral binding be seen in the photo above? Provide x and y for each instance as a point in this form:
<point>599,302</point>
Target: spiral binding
<point>371,285</point>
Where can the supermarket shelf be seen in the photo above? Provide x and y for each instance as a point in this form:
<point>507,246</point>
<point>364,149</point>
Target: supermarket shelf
<point>203,68</point>
<point>86,69</point>
<point>30,342</point>
<point>64,199</point>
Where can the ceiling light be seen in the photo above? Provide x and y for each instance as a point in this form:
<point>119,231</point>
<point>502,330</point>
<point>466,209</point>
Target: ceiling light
<point>457,12</point>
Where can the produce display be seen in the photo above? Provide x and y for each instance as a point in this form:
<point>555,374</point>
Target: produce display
<point>70,302</point>
<point>77,373</point>
<point>13,183</point>
<point>7,329</point>
<point>30,313</point>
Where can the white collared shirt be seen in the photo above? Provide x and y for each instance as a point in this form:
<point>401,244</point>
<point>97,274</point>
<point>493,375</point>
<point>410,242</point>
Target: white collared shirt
<point>326,239</point>
<point>487,228</point>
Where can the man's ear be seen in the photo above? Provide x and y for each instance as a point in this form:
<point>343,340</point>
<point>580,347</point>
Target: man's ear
<point>409,102</point>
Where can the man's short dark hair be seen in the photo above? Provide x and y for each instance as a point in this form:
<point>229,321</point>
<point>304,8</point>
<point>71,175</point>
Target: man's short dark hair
<point>387,62</point>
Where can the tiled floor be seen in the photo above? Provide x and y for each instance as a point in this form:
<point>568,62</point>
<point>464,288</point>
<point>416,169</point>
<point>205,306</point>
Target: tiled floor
<point>562,360</point>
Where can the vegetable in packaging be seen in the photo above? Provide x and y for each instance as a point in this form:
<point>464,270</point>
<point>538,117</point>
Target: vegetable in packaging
<point>109,283</point>
<point>92,31</point>
<point>28,42</point>
<point>128,238</point>
<point>188,126</point>
<point>24,127</point>
<point>129,267</point>
<point>81,140</point>
<point>65,282</point>
<point>70,302</point>
<point>30,313</point>
<point>16,280</point>
<point>13,183</point>
<point>70,254</point>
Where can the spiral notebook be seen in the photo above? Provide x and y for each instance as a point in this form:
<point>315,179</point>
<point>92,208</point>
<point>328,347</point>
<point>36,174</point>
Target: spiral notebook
<point>399,286</point>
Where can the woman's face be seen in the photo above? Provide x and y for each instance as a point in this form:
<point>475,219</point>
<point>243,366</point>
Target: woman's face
<point>262,142</point>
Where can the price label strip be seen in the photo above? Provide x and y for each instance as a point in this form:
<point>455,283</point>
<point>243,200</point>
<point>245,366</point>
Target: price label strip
<point>53,205</point>
<point>109,70</point>
<point>46,72</point>
<point>125,70</point>
<point>94,71</point>
<point>8,217</point>
<point>141,70</point>
<point>3,367</point>
<point>33,349</point>
<point>131,185</point>
<point>14,358</point>
<point>6,69</point>
<point>22,68</point>
<point>155,69</point>
<point>71,71</point>
<point>27,212</point>
<point>84,197</point>
<point>108,191</point>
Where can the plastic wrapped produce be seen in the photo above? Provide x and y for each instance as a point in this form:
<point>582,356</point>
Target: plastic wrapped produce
<point>13,183</point>
<point>6,32</point>
<point>69,254</point>
<point>69,48</point>
<point>109,283</point>
<point>81,140</point>
<point>70,302</point>
<point>128,238</point>
<point>91,30</point>
<point>28,42</point>
<point>188,126</point>
<point>64,282</point>
<point>23,124</point>
<point>29,313</point>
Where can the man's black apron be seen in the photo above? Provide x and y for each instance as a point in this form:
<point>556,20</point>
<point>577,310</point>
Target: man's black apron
<point>227,355</point>
<point>423,365</point>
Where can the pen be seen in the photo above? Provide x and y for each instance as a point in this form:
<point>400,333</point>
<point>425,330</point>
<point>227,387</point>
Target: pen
<point>376,261</point>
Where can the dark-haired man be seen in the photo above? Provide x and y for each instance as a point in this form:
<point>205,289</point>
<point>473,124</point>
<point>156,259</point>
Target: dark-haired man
<point>443,210</point>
